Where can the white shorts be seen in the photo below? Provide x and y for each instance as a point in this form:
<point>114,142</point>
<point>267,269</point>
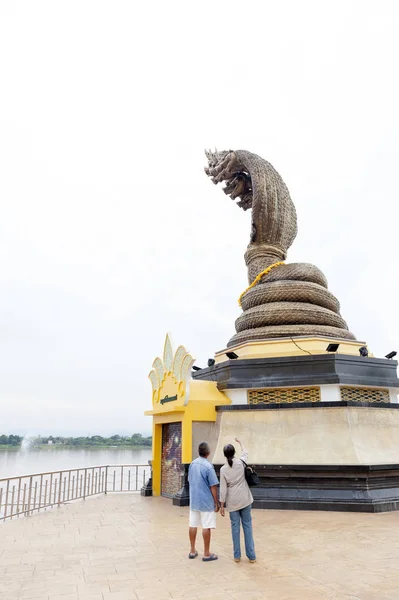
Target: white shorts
<point>206,520</point>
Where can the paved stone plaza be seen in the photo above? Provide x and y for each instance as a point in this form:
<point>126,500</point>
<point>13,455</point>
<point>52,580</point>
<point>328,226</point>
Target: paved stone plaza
<point>124,547</point>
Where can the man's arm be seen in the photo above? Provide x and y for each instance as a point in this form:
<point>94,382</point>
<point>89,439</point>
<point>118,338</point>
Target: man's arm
<point>213,486</point>
<point>214,490</point>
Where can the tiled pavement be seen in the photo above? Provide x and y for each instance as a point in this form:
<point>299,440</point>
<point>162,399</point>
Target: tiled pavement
<point>124,547</point>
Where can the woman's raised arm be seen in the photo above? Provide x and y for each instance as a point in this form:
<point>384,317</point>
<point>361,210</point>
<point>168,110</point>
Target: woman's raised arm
<point>244,452</point>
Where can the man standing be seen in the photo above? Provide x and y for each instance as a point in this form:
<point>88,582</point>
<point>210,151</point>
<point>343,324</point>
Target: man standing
<point>204,503</point>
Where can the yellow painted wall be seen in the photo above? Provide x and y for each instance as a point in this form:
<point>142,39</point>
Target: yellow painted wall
<point>201,406</point>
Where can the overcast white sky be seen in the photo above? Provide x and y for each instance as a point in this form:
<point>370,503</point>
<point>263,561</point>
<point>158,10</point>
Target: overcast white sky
<point>110,232</point>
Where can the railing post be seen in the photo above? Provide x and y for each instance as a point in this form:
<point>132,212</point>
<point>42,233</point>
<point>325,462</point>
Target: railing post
<point>69,483</point>
<point>106,480</point>
<point>84,485</point>
<point>60,489</point>
<point>29,492</point>
<point>19,494</point>
<point>6,502</point>
<point>12,500</point>
<point>34,497</point>
<point>40,490</point>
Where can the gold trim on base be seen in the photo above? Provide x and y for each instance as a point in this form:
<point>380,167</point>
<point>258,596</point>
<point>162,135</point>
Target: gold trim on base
<point>300,346</point>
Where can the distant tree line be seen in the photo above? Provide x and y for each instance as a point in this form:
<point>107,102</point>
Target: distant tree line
<point>10,440</point>
<point>95,440</point>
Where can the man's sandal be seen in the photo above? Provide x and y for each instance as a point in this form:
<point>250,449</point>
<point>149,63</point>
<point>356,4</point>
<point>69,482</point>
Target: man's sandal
<point>209,558</point>
<point>193,555</point>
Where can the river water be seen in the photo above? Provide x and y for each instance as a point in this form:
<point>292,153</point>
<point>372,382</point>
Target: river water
<point>39,460</point>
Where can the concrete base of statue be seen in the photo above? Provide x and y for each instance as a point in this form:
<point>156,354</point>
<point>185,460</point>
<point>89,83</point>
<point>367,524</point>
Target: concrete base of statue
<point>322,430</point>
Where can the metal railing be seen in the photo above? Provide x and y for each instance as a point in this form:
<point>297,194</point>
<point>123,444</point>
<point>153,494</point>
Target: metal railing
<point>22,496</point>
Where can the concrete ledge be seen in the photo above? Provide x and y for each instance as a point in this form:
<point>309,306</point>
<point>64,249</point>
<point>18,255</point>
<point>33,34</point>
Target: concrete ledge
<point>378,507</point>
<point>365,488</point>
<point>295,405</point>
<point>295,371</point>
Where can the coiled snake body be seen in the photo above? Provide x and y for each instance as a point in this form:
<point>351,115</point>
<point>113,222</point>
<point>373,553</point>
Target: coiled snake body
<point>291,300</point>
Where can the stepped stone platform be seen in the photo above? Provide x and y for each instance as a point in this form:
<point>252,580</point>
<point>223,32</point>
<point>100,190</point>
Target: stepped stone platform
<point>125,547</point>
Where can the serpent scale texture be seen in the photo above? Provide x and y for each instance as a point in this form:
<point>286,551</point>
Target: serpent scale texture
<point>291,300</point>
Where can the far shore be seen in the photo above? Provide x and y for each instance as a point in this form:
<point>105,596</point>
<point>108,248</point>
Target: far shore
<point>71,446</point>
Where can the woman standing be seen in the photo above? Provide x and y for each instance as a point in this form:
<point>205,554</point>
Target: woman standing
<point>236,497</point>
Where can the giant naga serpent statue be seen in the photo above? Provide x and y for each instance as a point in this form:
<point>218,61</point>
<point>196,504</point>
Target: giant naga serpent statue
<point>283,300</point>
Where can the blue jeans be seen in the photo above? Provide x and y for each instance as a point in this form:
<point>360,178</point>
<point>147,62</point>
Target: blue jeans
<point>244,516</point>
